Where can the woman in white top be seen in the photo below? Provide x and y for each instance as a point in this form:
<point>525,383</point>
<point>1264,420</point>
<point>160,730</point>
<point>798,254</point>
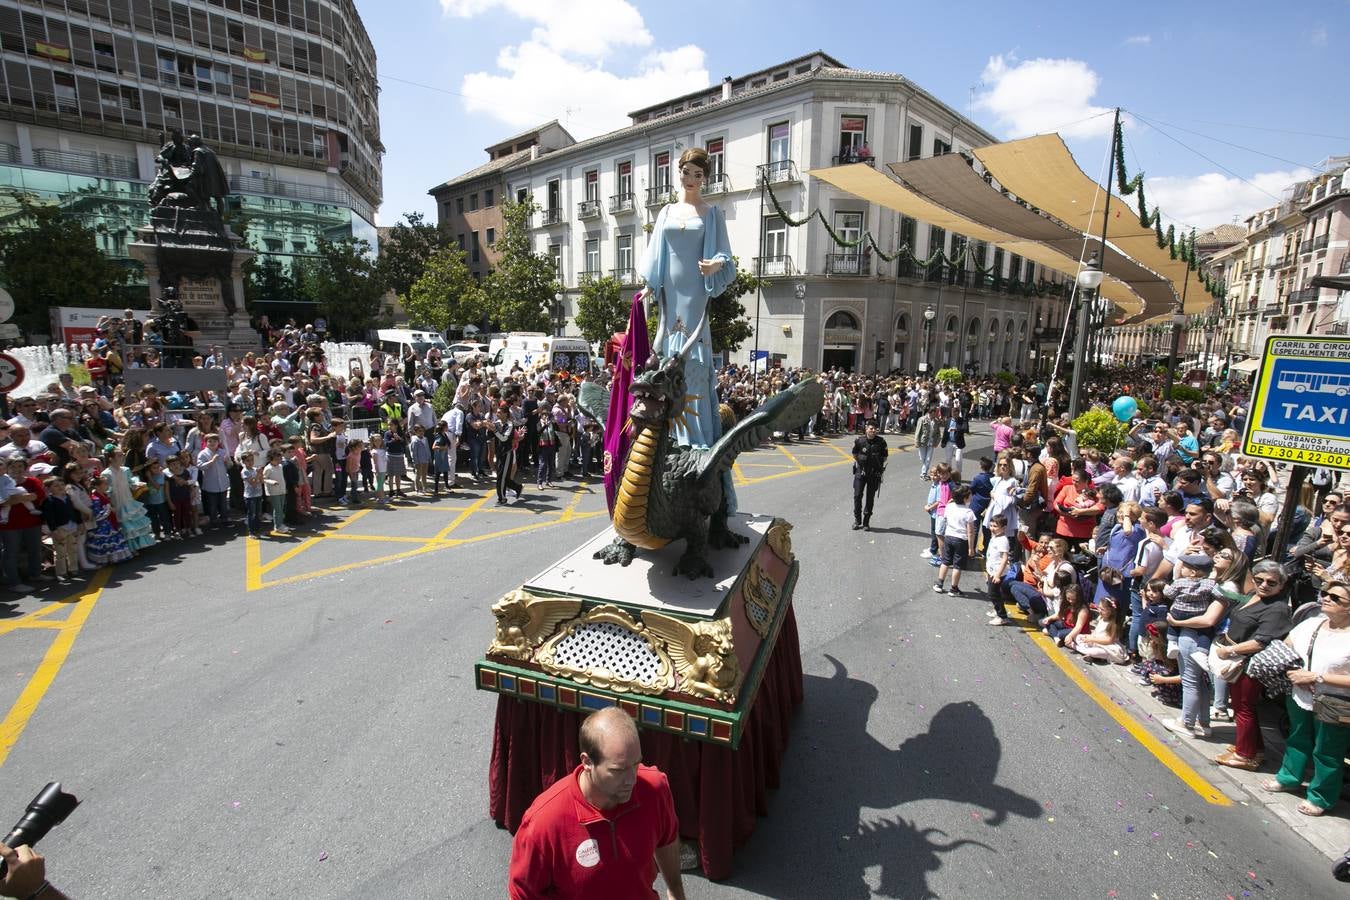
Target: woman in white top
<point>251,440</point>
<point>1323,643</point>
<point>1003,495</point>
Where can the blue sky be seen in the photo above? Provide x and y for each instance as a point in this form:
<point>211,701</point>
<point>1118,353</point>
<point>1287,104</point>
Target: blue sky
<point>1201,76</point>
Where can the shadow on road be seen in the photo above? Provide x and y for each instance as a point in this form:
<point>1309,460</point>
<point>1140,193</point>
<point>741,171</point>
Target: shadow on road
<point>844,772</point>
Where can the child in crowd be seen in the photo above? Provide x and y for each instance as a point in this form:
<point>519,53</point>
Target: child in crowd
<point>1072,618</point>
<point>441,448</point>
<point>304,498</point>
<point>379,461</point>
<point>156,498</point>
<point>1156,670</point>
<point>354,448</point>
<point>274,488</point>
<point>957,539</point>
<point>1103,643</point>
<point>548,448</point>
<point>10,488</point>
<point>1190,594</point>
<point>63,523</point>
<point>212,462</point>
<point>396,447</point>
<point>998,568</point>
<point>104,543</point>
<point>939,494</point>
<point>253,494</point>
<point>419,452</point>
<point>180,498</point>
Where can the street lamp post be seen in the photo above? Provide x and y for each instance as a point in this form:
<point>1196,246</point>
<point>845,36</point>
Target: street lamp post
<point>929,314</point>
<point>1089,279</point>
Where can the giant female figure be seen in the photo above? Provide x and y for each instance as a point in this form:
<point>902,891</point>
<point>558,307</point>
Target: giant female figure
<point>688,262</point>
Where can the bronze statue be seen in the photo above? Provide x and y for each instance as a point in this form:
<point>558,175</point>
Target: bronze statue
<point>209,183</point>
<point>190,175</point>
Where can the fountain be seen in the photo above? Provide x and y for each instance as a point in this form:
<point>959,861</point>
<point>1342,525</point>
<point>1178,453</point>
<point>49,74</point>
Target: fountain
<point>42,364</point>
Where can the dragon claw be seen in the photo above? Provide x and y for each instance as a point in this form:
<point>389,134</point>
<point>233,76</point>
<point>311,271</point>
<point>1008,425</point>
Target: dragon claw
<point>694,566</point>
<point>619,551</point>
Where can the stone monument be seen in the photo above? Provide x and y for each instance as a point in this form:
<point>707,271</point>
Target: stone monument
<point>187,245</point>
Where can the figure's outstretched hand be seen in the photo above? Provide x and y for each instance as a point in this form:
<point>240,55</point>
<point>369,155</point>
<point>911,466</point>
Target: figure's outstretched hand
<point>709,266</point>
<point>645,292</point>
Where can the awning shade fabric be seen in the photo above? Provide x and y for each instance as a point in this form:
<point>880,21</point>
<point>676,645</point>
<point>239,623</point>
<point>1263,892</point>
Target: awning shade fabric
<point>1247,365</point>
<point>1041,171</point>
<point>876,187</point>
<point>952,183</point>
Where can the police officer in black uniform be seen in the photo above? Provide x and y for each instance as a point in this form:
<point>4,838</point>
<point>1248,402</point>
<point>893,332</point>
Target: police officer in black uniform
<point>869,463</point>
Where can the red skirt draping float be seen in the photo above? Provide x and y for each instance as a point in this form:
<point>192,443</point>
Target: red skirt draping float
<point>718,791</point>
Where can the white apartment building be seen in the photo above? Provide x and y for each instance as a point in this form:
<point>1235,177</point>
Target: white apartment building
<point>823,305</point>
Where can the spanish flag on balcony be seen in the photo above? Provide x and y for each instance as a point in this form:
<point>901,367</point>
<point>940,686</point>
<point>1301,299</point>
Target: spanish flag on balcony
<point>51,50</point>
<point>264,99</point>
<point>252,54</point>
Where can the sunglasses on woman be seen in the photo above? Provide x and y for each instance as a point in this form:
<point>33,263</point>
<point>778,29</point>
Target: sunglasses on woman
<point>1339,598</point>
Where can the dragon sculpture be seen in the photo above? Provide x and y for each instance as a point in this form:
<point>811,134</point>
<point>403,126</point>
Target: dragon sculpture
<point>667,491</point>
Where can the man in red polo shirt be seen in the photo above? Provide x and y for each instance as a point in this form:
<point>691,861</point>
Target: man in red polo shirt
<point>601,832</point>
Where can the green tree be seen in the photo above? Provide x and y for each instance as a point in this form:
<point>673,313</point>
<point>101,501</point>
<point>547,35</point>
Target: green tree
<point>521,288</point>
<point>601,310</point>
<point>408,250</point>
<point>53,260</point>
<point>267,280</point>
<point>1098,428</point>
<point>949,376</point>
<point>446,293</point>
<point>349,286</point>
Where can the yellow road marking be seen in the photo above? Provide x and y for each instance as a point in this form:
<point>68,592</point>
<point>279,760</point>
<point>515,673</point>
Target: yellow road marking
<point>783,450</point>
<point>23,708</point>
<point>36,615</point>
<point>1164,754</point>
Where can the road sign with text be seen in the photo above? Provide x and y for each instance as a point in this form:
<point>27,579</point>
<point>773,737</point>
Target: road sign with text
<point>1300,410</point>
<point>11,373</point>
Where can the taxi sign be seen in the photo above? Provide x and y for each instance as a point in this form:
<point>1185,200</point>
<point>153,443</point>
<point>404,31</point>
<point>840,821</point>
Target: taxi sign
<point>1300,410</point>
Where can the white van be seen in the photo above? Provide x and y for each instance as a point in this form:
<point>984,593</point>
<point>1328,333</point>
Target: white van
<point>531,348</point>
<point>392,341</point>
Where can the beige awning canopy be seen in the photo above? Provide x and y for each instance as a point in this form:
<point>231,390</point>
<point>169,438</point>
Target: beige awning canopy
<point>876,187</point>
<point>1247,366</point>
<point>1041,171</point>
<point>951,182</point>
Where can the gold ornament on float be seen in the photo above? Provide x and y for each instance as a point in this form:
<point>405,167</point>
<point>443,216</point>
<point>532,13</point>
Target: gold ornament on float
<point>703,653</point>
<point>780,539</point>
<point>524,621</point>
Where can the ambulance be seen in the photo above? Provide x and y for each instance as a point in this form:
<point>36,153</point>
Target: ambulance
<point>531,349</point>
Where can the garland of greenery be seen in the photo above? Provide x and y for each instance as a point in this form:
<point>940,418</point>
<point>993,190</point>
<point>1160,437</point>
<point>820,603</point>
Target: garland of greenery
<point>1183,248</point>
<point>904,250</point>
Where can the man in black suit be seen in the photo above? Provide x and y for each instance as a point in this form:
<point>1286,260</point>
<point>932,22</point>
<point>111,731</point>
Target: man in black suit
<point>869,464</point>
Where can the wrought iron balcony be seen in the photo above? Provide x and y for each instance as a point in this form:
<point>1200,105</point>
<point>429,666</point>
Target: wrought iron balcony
<point>620,203</point>
<point>660,195</point>
<point>777,172</point>
<point>1277,263</point>
<point>588,209</point>
<point>1320,242</point>
<point>774,266</point>
<point>588,276</point>
<point>551,217</point>
<point>848,264</point>
<point>717,184</point>
<point>625,277</point>
<point>1305,295</point>
<point>850,158</point>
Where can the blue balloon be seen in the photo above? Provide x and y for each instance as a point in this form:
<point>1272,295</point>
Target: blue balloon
<point>1124,408</point>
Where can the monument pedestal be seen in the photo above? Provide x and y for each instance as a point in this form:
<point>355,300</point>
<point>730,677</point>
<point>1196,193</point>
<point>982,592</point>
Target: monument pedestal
<point>189,249</point>
<point>710,670</point>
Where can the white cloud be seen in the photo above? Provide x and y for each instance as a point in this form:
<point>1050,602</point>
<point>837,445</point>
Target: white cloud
<point>1139,39</point>
<point>1203,201</point>
<point>1038,96</point>
<point>560,70</point>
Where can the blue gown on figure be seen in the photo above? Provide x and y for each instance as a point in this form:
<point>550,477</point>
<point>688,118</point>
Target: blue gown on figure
<point>670,268</point>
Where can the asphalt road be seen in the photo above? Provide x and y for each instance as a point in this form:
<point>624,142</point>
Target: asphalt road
<point>319,735</point>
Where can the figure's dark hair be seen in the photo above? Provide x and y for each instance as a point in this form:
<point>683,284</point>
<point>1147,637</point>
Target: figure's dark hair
<point>699,157</point>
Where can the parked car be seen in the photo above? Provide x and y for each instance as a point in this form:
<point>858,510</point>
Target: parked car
<point>463,353</point>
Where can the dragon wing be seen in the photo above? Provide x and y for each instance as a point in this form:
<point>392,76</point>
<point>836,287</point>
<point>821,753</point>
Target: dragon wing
<point>782,412</point>
<point>547,614</point>
<point>677,634</point>
<point>594,401</point>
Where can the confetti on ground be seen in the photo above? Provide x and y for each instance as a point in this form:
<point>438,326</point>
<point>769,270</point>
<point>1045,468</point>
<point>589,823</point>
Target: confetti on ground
<point>1051,819</point>
<point>1157,834</point>
<point>1212,853</point>
<point>1251,875</point>
<point>1129,829</point>
<point>324,855</point>
<point>236,804</point>
<point>387,621</point>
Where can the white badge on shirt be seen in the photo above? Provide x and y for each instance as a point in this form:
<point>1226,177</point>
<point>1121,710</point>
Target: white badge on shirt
<point>588,853</point>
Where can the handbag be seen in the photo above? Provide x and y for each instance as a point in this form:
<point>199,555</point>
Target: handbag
<point>1229,669</point>
<point>1271,667</point>
<point>1333,709</point>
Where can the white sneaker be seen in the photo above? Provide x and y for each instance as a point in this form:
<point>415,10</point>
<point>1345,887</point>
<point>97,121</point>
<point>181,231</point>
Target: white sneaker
<point>1178,726</point>
<point>993,615</point>
<point>926,554</point>
<point>1203,730</point>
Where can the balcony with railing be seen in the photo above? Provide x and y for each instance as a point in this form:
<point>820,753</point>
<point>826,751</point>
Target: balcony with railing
<point>1277,263</point>
<point>849,159</point>
<point>588,276</point>
<point>717,184</point>
<point>588,209</point>
<point>624,276</point>
<point>1305,295</point>
<point>778,172</point>
<point>9,153</point>
<point>660,195</point>
<point>106,164</point>
<point>620,203</point>
<point>774,266</point>
<point>1320,242</point>
<point>550,217</point>
<point>848,264</point>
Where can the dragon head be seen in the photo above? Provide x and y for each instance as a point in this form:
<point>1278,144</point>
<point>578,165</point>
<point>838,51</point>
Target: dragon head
<point>656,392</point>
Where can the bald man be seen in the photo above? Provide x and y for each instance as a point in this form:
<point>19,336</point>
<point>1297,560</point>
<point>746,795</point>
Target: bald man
<point>602,831</point>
